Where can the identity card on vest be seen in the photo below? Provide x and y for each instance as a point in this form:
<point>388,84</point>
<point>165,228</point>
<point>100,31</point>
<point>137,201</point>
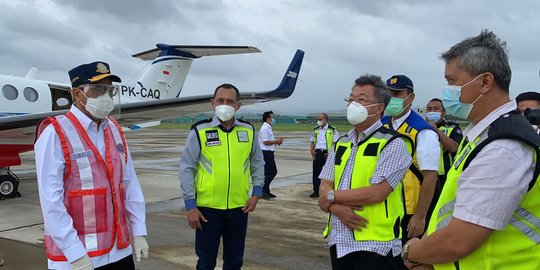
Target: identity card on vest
<point>242,136</point>
<point>212,138</point>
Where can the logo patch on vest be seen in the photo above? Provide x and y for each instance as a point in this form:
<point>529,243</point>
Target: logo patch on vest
<point>242,136</point>
<point>88,153</point>
<point>212,138</point>
<point>465,153</point>
<point>120,148</point>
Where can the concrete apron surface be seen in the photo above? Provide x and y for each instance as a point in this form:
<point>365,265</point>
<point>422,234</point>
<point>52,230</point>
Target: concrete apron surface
<point>283,233</point>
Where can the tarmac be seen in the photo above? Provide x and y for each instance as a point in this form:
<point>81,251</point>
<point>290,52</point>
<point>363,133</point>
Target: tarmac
<point>283,233</point>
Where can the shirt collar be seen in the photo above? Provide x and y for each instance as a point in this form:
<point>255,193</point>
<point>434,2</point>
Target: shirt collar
<point>215,122</point>
<point>473,131</point>
<point>85,121</point>
<point>400,120</point>
<point>358,138</point>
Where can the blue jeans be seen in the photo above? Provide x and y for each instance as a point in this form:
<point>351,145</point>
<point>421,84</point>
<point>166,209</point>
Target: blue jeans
<point>231,225</point>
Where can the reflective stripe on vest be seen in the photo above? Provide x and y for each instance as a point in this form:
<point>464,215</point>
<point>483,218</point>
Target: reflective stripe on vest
<point>445,157</point>
<point>223,170</point>
<point>384,218</point>
<point>94,196</point>
<point>329,136</point>
<point>517,246</point>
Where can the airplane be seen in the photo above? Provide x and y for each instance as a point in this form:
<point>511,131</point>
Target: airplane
<point>24,101</point>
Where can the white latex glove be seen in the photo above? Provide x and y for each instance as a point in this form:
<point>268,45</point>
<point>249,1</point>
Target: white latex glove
<point>140,247</point>
<point>83,263</point>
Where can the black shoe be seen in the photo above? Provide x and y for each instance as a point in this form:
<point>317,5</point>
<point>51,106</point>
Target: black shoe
<point>314,195</point>
<point>271,195</point>
<point>265,196</point>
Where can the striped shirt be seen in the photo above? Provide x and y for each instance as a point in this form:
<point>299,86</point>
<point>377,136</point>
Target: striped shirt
<point>392,165</point>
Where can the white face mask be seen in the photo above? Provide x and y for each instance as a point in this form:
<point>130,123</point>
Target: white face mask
<point>357,113</point>
<point>320,123</point>
<point>99,107</point>
<point>224,112</point>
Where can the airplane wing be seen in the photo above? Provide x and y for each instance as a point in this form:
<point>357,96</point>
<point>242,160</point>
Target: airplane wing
<point>21,128</point>
<point>196,51</point>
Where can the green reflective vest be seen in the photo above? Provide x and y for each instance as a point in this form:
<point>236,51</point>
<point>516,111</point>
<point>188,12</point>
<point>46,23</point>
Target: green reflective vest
<point>517,246</point>
<point>385,217</point>
<point>223,171</point>
<point>446,158</point>
<point>329,136</point>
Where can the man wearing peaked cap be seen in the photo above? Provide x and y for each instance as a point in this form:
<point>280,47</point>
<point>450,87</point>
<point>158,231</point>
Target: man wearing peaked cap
<point>420,181</point>
<point>91,73</point>
<point>91,199</point>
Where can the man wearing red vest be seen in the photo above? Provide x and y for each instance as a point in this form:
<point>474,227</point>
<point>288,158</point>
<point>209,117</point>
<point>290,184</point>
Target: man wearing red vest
<point>90,196</point>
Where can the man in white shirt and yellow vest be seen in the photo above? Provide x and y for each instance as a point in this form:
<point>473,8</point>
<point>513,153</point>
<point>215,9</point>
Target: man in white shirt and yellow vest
<point>220,159</point>
<point>488,214</point>
<point>91,199</point>
<point>420,182</point>
<point>322,139</point>
<point>361,185</point>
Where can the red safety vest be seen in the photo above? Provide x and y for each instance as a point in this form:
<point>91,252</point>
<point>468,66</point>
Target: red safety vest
<point>94,195</point>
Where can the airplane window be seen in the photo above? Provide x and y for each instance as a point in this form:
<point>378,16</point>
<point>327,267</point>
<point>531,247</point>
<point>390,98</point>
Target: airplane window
<point>62,102</point>
<point>10,92</point>
<point>30,94</point>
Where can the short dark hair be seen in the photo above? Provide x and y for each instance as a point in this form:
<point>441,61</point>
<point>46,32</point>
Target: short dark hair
<point>483,53</point>
<point>379,87</point>
<point>439,100</point>
<point>266,115</point>
<point>528,96</point>
<point>228,86</point>
<point>325,116</point>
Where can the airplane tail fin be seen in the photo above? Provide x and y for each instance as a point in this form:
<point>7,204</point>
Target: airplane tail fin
<point>288,83</point>
<point>165,76</point>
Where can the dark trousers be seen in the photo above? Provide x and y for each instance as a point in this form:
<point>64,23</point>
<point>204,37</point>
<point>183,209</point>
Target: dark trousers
<point>407,218</point>
<point>364,260</point>
<point>231,225</point>
<point>318,164</point>
<point>125,263</point>
<point>270,169</point>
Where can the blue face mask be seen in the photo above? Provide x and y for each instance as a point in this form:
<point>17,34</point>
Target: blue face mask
<point>433,116</point>
<point>454,107</point>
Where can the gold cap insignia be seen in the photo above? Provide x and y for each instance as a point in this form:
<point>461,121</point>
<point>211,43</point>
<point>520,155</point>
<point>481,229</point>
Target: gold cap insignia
<point>102,68</point>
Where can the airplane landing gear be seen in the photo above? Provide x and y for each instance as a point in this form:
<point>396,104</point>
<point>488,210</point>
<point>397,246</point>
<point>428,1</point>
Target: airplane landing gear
<point>9,184</point>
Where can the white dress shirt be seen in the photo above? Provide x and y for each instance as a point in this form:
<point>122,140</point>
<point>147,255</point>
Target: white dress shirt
<point>50,165</point>
<point>321,139</point>
<point>427,146</point>
<point>496,180</point>
<point>266,134</point>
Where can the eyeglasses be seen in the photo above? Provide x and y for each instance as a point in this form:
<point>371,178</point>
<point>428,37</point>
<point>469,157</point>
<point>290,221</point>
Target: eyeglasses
<point>359,100</point>
<point>100,89</point>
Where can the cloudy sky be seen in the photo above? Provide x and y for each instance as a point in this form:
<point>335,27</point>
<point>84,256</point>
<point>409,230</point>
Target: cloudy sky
<point>342,40</point>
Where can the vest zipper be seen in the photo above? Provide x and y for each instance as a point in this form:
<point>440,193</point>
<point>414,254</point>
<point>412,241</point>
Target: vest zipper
<point>229,169</point>
<point>386,207</point>
<point>456,264</point>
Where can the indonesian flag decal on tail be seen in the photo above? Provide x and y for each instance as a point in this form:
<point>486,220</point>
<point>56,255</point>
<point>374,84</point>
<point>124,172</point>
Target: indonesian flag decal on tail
<point>166,72</point>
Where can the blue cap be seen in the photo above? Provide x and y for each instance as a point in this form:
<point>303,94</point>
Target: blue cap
<point>400,82</point>
<point>91,73</point>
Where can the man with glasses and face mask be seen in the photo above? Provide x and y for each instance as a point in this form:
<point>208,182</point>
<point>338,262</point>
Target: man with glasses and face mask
<point>322,139</point>
<point>420,181</point>
<point>488,215</point>
<point>449,136</point>
<point>220,158</point>
<point>91,199</point>
<point>361,184</point>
